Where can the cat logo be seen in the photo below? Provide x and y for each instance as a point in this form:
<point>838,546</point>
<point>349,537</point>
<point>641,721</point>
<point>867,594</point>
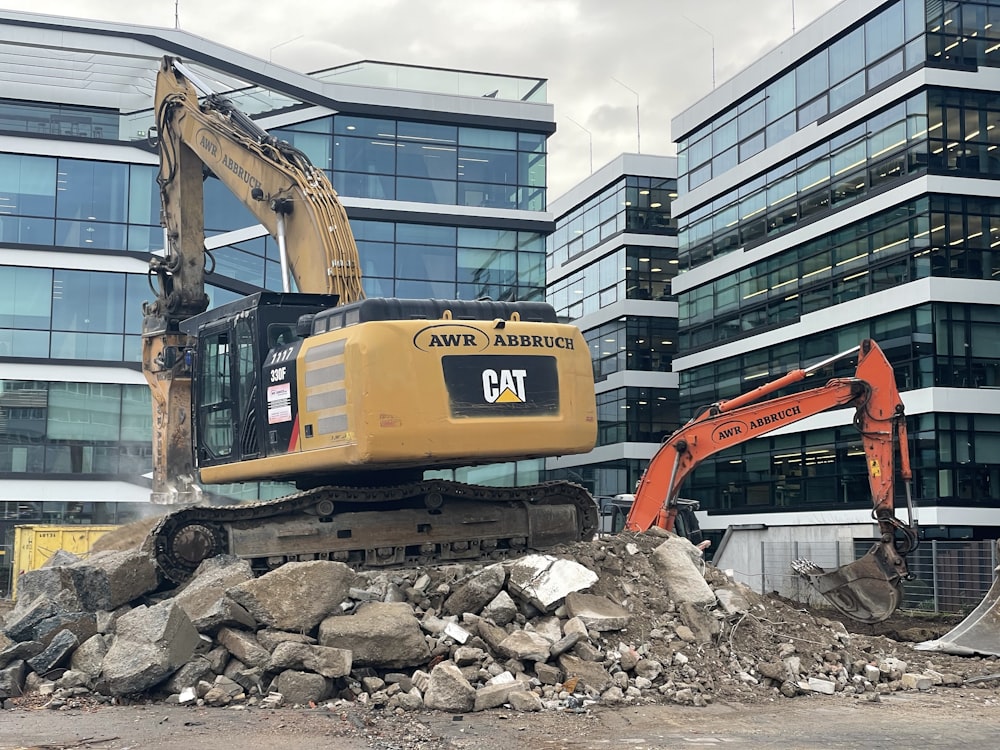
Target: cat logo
<point>504,386</point>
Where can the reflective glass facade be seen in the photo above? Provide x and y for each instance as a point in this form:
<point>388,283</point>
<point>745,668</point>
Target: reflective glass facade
<point>937,131</point>
<point>74,428</point>
<point>425,162</point>
<point>611,262</point>
<point>75,229</point>
<point>831,79</point>
<point>794,302</point>
<point>631,204</point>
<point>932,345</point>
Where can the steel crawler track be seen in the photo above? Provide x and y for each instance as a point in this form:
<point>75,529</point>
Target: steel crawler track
<point>422,523</point>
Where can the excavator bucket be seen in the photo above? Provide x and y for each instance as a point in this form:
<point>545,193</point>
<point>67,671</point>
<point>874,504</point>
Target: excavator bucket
<point>979,633</point>
<point>868,589</point>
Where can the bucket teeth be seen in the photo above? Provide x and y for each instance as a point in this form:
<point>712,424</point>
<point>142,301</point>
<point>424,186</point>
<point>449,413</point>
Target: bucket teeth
<point>807,568</point>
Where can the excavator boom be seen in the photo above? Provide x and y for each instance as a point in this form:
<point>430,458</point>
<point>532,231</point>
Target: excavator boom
<point>868,589</point>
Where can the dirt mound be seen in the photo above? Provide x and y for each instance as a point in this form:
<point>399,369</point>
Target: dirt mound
<point>127,536</point>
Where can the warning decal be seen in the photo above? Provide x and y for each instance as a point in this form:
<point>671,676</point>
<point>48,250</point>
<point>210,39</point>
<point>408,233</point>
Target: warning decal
<point>279,403</point>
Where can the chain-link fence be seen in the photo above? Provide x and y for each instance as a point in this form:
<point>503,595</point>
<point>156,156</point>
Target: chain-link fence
<point>950,576</point>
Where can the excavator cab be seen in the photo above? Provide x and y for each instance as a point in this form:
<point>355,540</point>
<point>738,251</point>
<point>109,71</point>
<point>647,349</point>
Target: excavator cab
<point>233,343</point>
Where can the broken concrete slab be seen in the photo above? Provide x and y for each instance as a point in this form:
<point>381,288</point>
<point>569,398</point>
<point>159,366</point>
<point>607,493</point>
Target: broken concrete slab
<point>448,690</point>
<point>89,655</point>
<point>12,679</point>
<point>58,651</point>
<point>269,638</point>
<point>477,592</point>
<point>296,596</point>
<point>501,611</point>
<point>544,580</point>
<point>597,612</point>
<point>302,688</point>
<point>382,634</point>
<point>244,646</point>
<point>152,642</point>
<point>591,674</point>
<point>493,696</point>
<point>525,645</point>
<point>324,660</point>
<point>683,578</point>
<point>20,650</point>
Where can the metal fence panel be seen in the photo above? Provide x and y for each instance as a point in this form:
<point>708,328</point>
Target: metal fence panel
<point>949,576</point>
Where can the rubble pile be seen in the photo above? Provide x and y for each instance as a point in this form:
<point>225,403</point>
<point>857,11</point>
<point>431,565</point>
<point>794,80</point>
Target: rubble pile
<point>631,618</point>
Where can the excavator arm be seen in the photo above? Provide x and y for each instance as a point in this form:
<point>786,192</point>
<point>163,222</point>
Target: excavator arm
<point>294,201</point>
<point>869,588</point>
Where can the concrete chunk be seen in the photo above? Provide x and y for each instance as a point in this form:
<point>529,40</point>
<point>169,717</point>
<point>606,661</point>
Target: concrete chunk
<point>302,688</point>
<point>151,643</point>
<point>270,639</point>
<point>448,690</point>
<point>296,596</point>
<point>12,680</point>
<point>501,611</point>
<point>492,696</point>
<point>244,646</point>
<point>324,660</point>
<point>104,581</point>
<point>544,581</point>
<point>20,650</point>
<point>58,650</point>
<point>89,655</point>
<point>525,646</point>
<point>914,681</point>
<point>22,621</point>
<point>204,598</point>
<point>590,673</point>
<point>477,592</point>
<point>703,625</point>
<point>597,612</point>
<point>379,634</point>
<point>82,624</point>
<point>732,599</point>
<point>524,701</point>
<point>817,685</point>
<point>189,675</point>
<point>674,560</point>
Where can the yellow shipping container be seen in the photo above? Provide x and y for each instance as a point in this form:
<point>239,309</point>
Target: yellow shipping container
<point>34,545</point>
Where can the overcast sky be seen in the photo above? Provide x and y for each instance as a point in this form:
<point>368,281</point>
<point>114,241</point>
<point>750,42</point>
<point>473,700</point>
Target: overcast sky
<point>660,49</point>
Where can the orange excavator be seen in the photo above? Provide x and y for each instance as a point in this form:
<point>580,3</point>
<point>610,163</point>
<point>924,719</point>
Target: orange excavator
<point>868,589</point>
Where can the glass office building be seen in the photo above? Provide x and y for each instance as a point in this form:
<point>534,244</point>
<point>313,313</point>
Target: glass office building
<point>847,186</point>
<point>442,172</point>
<point>611,262</point>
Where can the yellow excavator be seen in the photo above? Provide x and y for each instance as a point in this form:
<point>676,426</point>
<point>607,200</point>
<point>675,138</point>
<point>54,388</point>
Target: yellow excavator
<point>349,399</point>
